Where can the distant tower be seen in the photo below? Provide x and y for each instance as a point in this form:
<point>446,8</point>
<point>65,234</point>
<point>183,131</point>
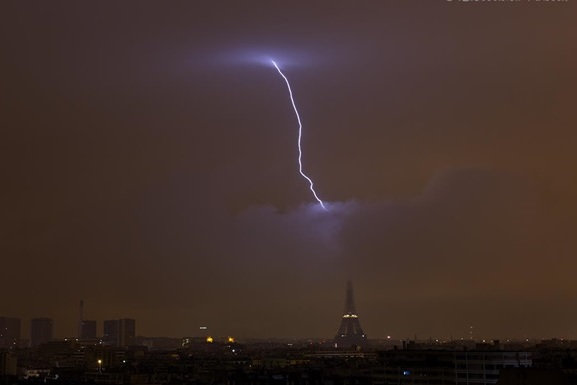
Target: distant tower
<point>350,333</point>
<point>80,319</point>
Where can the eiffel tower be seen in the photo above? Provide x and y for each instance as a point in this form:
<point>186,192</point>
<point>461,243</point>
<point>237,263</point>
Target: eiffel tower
<point>350,333</point>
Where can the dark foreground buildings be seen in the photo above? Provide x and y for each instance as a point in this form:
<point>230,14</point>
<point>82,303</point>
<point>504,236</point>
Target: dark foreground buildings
<point>9,332</point>
<point>281,363</point>
<point>448,367</point>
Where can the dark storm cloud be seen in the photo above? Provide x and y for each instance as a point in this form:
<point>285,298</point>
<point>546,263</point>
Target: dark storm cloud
<point>469,228</point>
<point>150,168</point>
<point>464,224</point>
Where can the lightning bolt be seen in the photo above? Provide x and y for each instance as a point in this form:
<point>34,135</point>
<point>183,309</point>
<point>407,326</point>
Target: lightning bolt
<point>311,185</point>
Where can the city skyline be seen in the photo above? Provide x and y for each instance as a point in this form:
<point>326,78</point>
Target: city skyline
<point>100,329</point>
<point>149,166</point>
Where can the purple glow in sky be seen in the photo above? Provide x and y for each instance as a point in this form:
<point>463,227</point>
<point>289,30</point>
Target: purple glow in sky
<point>286,57</point>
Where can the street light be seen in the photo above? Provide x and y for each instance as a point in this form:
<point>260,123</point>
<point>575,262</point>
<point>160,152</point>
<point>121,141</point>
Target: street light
<point>99,365</point>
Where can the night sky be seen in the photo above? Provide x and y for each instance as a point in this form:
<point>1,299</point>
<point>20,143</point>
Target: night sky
<point>148,163</point>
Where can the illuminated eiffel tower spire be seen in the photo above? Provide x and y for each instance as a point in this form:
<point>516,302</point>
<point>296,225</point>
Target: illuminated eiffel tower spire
<point>350,333</point>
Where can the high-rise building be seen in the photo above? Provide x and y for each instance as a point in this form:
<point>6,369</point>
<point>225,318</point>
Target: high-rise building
<point>88,330</point>
<point>350,333</point>
<point>110,332</point>
<point>41,330</point>
<point>9,332</point>
<point>126,332</point>
<point>121,332</point>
